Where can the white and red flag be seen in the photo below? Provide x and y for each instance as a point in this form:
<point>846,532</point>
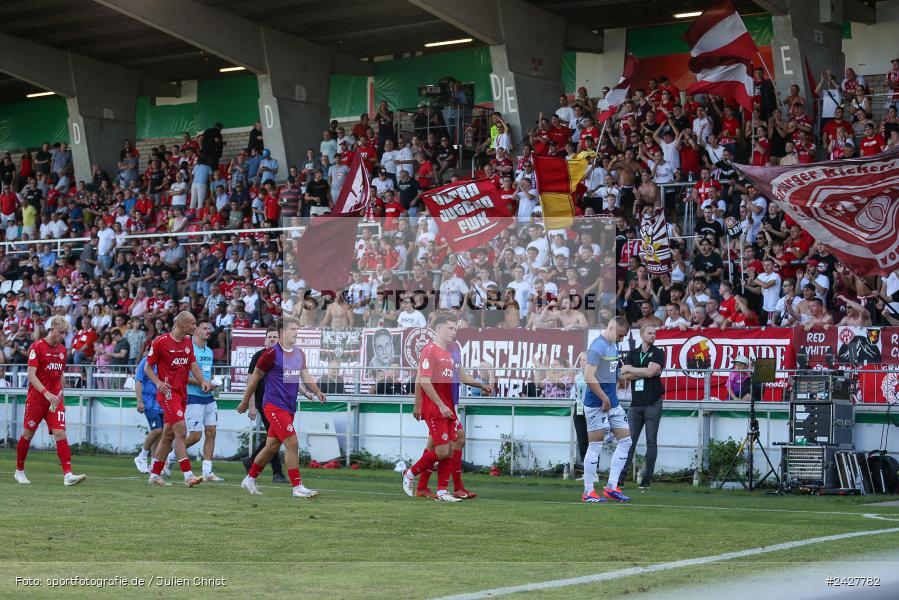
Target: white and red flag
<point>851,206</point>
<point>468,213</point>
<point>721,54</point>
<point>618,94</point>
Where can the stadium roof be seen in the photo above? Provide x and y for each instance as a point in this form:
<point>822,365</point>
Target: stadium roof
<point>359,28</point>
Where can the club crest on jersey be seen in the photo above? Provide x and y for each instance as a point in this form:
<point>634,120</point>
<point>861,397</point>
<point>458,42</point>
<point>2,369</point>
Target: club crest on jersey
<point>180,413</point>
<point>31,423</point>
<point>444,437</point>
<point>290,428</point>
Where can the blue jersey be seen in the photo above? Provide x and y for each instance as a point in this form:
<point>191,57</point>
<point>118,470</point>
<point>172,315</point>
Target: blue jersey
<point>195,394</point>
<point>456,353</point>
<point>148,388</point>
<point>603,355</point>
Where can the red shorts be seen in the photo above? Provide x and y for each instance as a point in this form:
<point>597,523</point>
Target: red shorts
<point>280,422</point>
<point>35,412</point>
<point>172,409</point>
<point>441,429</point>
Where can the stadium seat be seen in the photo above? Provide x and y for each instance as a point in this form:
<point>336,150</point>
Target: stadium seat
<point>5,286</point>
<point>17,285</point>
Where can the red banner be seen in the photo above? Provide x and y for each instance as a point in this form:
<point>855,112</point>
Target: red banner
<point>852,206</point>
<point>468,214</point>
<point>817,344</point>
<point>716,349</point>
<point>512,352</point>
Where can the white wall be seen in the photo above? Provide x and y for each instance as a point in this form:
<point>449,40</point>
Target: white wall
<point>872,47</point>
<point>597,70</point>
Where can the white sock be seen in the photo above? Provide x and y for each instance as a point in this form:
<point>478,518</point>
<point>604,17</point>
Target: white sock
<point>143,454</point>
<point>188,475</point>
<point>170,458</point>
<point>591,460</point>
<point>619,458</point>
<point>441,492</point>
<point>207,467</point>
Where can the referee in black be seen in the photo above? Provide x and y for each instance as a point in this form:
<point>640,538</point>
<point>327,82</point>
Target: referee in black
<point>272,335</point>
<point>643,368</point>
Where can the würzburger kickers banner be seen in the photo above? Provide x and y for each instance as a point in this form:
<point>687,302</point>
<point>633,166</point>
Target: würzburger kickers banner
<point>852,206</point>
<point>469,214</point>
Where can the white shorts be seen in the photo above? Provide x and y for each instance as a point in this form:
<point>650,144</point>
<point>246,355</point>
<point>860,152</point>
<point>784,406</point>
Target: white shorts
<point>601,420</point>
<point>201,416</point>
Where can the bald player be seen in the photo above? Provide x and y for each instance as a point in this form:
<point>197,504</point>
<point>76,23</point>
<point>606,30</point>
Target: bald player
<point>173,356</point>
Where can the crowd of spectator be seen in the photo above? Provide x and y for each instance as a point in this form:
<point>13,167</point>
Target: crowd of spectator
<point>662,150</point>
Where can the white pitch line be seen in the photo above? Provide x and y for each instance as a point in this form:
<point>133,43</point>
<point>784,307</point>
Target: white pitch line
<point>703,560</point>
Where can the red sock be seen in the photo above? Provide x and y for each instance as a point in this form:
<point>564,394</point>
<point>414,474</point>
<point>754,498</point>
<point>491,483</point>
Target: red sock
<point>22,452</point>
<point>444,468</point>
<point>294,476</point>
<point>457,470</point>
<point>156,469</point>
<point>427,460</point>
<point>255,470</point>
<point>184,464</point>
<point>65,456</point>
<point>425,477</point>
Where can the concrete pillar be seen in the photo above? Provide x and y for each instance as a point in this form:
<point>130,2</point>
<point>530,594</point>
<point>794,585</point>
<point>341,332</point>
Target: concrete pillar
<point>102,114</point>
<point>800,35</point>
<point>293,97</point>
<point>526,77</point>
<point>293,73</point>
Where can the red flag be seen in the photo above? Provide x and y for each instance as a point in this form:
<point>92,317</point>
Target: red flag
<point>722,52</point>
<point>812,86</point>
<point>851,206</point>
<point>618,94</point>
<point>469,214</point>
<point>324,253</point>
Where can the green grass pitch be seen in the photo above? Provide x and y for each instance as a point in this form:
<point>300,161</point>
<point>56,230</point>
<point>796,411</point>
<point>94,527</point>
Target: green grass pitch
<point>362,538</point>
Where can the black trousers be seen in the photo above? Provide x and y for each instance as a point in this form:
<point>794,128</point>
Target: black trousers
<point>276,459</point>
<point>580,429</point>
<point>637,417</point>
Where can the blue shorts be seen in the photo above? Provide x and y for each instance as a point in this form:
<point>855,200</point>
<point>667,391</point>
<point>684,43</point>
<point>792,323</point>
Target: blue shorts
<point>154,419</point>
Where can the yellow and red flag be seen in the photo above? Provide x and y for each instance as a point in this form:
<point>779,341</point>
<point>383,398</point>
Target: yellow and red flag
<point>557,180</point>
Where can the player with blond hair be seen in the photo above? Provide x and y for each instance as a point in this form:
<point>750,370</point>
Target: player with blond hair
<point>44,402</point>
<point>283,368</point>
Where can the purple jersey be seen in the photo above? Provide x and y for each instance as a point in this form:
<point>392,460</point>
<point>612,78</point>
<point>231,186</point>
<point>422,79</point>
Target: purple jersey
<point>456,352</point>
<point>282,376</point>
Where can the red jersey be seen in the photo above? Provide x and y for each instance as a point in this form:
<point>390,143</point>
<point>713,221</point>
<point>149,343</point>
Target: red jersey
<point>871,145</point>
<point>369,156</point>
<point>84,341</point>
<point>272,208</point>
<point>561,135</point>
<point>702,188</point>
<point>50,362</point>
<point>437,364</point>
<point>172,360</point>
<point>425,169</point>
<point>728,308</point>
<point>760,159</point>
<point>805,153</point>
<point>8,203</point>
<point>729,129</point>
<point>227,288</point>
